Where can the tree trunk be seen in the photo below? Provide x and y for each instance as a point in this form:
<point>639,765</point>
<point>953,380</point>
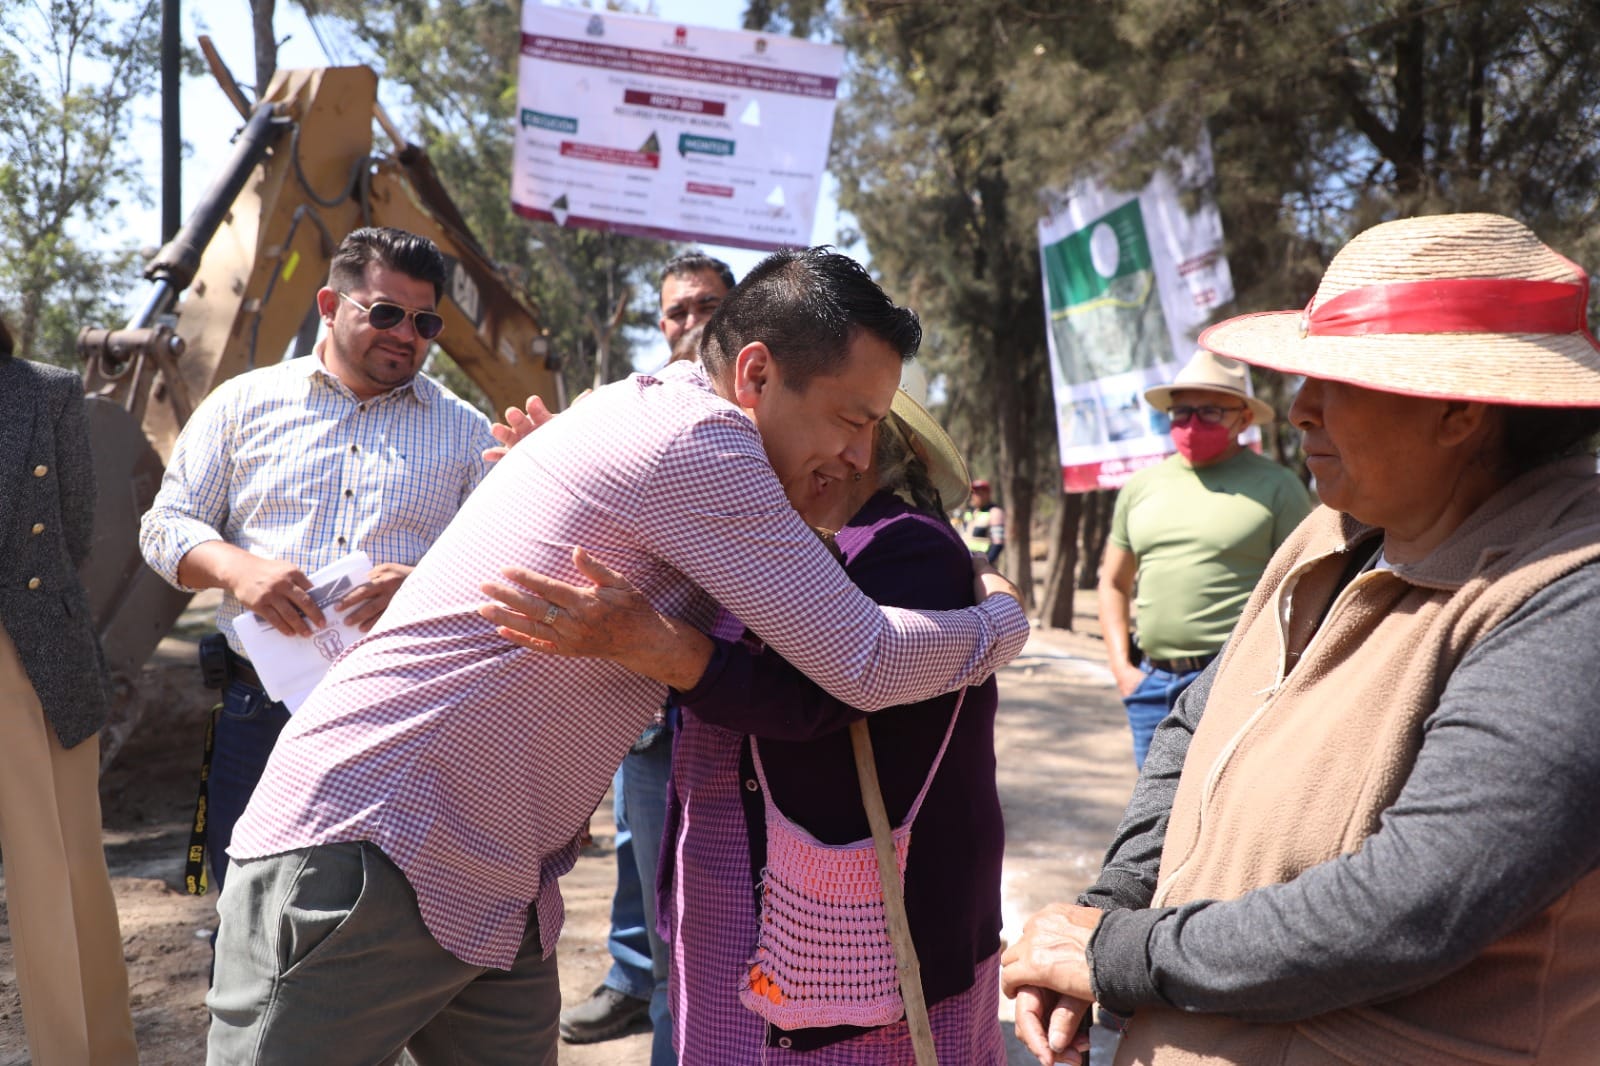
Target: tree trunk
<point>1056,609</point>
<point>28,327</point>
<point>266,44</point>
<point>1015,484</point>
<point>1019,538</point>
<point>602,357</point>
<point>1475,96</point>
<point>1410,88</point>
<point>1096,526</point>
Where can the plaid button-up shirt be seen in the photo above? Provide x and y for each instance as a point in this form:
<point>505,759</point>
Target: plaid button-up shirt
<point>286,463</point>
<point>472,762</point>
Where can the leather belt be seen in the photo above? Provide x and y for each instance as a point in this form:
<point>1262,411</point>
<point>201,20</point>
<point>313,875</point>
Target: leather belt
<point>1187,665</point>
<point>239,669</point>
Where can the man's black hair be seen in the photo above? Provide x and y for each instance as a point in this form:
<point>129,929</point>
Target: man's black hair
<point>392,249</point>
<point>690,263</point>
<point>805,306</point>
<point>7,346</point>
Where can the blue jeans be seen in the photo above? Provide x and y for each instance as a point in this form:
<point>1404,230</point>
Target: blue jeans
<point>247,729</point>
<point>638,955</point>
<point>629,940</point>
<point>1152,701</point>
<point>645,776</point>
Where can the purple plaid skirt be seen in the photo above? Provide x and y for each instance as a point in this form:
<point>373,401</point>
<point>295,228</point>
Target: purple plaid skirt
<point>709,912</point>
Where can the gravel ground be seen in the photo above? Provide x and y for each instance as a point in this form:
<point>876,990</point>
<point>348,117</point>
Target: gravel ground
<point>1065,771</point>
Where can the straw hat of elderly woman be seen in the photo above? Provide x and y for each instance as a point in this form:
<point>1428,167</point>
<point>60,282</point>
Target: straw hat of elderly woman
<point>1443,356</point>
<point>912,425</point>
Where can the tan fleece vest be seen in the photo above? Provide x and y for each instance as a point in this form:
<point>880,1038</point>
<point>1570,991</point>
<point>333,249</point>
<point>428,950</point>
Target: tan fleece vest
<point>1308,736</point>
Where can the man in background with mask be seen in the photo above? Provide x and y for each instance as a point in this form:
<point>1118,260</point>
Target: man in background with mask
<point>1193,533</point>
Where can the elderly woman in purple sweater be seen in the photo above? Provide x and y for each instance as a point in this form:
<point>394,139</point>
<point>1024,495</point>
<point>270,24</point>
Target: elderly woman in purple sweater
<point>899,548</point>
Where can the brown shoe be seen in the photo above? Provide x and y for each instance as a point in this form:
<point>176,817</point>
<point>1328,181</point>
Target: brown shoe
<point>606,1014</point>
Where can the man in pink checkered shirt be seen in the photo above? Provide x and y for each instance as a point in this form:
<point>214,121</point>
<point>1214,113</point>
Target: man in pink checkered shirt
<point>393,881</point>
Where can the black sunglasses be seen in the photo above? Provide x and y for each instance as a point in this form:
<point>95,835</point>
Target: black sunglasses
<point>385,316</point>
<point>1180,413</point>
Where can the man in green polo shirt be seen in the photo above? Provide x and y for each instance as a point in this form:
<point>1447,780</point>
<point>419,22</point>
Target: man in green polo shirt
<point>1193,534</point>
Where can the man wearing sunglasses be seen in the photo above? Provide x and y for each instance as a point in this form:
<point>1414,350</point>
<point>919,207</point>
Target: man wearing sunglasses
<point>1194,534</point>
<point>284,469</point>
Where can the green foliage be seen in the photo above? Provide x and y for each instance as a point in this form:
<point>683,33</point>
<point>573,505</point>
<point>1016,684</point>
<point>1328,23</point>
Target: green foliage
<point>798,18</point>
<point>923,150</point>
<point>457,62</point>
<point>69,72</point>
<point>1325,117</point>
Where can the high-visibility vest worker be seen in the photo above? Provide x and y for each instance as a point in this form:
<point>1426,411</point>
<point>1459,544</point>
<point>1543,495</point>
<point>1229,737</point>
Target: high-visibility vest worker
<point>983,525</point>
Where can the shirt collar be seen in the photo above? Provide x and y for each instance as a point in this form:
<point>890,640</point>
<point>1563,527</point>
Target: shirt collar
<point>680,370</point>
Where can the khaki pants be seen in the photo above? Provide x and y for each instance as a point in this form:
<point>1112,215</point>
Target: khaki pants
<point>62,915</point>
<point>322,957</point>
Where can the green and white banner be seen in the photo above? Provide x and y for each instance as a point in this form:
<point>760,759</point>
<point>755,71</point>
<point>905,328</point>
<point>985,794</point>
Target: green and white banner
<point>1130,279</point>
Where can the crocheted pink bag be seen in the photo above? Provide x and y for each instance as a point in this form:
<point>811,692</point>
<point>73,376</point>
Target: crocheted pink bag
<point>823,955</point>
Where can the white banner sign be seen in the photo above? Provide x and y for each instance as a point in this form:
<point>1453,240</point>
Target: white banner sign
<point>1129,279</point>
<point>656,129</point>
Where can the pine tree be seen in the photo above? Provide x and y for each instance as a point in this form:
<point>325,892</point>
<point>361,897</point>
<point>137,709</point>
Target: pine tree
<point>1325,118</point>
<point>70,71</point>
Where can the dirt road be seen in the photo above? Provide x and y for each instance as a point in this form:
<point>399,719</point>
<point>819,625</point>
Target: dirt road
<point>1065,771</point>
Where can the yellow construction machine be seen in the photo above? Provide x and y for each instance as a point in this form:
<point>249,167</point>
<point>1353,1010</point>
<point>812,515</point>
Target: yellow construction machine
<point>236,287</point>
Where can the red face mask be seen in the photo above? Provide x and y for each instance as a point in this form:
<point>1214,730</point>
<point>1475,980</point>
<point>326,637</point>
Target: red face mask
<point>1200,442</point>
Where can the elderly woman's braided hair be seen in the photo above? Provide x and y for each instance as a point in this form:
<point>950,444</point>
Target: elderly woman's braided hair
<point>900,470</point>
<point>1533,436</point>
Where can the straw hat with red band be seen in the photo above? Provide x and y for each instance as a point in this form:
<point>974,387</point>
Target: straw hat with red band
<point>1461,307</point>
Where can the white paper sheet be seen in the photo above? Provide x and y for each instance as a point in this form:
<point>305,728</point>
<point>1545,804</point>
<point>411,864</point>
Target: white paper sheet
<point>290,667</point>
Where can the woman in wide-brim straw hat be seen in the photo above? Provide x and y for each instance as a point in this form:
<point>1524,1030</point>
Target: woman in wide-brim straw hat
<point>1369,832</point>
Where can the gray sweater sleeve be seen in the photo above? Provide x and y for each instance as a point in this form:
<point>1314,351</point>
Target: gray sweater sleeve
<point>1496,821</point>
<point>1127,881</point>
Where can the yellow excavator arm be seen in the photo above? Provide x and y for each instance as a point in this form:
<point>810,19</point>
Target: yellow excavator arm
<point>234,289</point>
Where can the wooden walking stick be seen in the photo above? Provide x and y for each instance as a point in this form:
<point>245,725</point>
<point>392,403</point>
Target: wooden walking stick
<point>894,900</point>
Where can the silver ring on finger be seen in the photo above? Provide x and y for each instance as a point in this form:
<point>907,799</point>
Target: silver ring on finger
<point>551,615</point>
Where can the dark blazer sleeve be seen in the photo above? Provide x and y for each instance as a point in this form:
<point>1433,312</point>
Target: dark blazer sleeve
<point>46,534</point>
<point>76,466</point>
